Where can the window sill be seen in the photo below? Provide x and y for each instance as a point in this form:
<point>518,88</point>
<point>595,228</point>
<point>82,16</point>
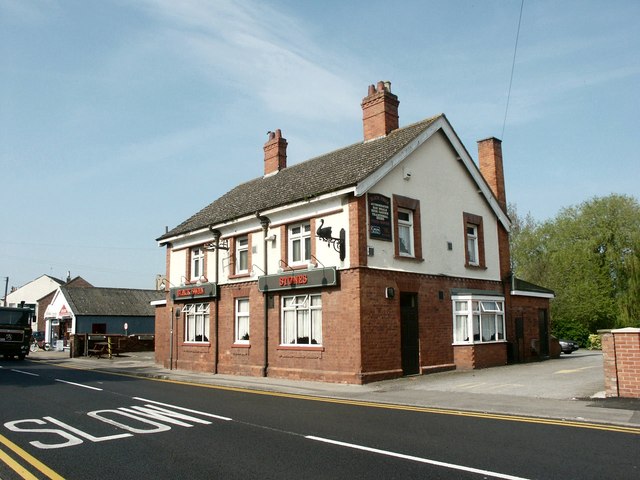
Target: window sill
<point>239,275</point>
<point>475,267</point>
<point>197,344</point>
<point>241,345</point>
<point>467,344</point>
<point>309,348</point>
<point>298,266</point>
<point>410,259</point>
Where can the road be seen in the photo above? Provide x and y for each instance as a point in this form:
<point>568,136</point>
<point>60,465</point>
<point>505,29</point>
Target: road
<point>77,424</point>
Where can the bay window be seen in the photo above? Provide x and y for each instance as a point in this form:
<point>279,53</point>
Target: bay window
<point>478,319</point>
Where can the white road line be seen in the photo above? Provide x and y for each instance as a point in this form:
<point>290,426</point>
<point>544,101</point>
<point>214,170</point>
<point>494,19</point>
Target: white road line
<point>26,373</point>
<point>79,385</point>
<point>184,409</point>
<point>417,459</point>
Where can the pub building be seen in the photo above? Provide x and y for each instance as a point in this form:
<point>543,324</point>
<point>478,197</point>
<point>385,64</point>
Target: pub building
<point>385,258</point>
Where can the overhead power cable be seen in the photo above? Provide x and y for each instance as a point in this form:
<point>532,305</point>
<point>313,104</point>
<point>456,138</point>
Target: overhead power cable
<point>513,66</point>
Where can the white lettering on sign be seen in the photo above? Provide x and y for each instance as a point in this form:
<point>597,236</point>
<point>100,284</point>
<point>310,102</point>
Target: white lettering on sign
<point>153,417</point>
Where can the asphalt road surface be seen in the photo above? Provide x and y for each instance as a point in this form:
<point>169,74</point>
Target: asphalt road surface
<point>76,424</point>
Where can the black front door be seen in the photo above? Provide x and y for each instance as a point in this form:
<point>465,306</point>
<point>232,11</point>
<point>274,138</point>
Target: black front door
<point>543,327</point>
<point>409,333</point>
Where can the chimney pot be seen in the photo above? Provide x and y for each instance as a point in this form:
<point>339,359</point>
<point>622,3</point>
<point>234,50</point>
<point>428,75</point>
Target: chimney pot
<point>275,152</point>
<point>379,111</point>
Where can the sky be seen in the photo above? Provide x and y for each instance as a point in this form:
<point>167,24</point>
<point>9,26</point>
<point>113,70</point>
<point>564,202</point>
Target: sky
<point>121,118</point>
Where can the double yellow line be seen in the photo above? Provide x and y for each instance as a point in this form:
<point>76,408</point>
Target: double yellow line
<point>18,467</point>
<point>392,406</point>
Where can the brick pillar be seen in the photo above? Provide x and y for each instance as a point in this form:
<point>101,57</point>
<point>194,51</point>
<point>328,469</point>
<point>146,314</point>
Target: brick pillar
<point>621,350</point>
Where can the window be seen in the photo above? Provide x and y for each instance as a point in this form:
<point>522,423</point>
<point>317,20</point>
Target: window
<point>196,322</point>
<point>474,241</point>
<point>472,244</point>
<point>406,226</point>
<point>302,320</point>
<point>405,232</point>
<point>197,263</point>
<point>299,243</point>
<point>242,320</point>
<point>478,320</point>
<point>242,255</point>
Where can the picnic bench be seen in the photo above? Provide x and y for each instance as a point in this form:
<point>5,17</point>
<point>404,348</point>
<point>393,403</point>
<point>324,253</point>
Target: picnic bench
<point>103,348</point>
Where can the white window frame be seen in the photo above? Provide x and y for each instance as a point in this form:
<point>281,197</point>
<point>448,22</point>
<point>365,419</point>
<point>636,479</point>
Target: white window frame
<point>197,263</point>
<point>242,251</point>
<point>242,320</point>
<point>478,319</point>
<point>196,322</point>
<point>299,242</point>
<point>472,244</point>
<point>301,319</point>
<point>405,233</point>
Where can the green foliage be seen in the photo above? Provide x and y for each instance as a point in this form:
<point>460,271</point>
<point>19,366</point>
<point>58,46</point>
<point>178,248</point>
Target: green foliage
<point>590,256</point>
<point>629,299</point>
<point>571,330</point>
<point>595,342</point>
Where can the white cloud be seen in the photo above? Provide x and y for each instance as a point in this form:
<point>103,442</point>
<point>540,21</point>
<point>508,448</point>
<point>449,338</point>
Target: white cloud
<point>255,48</point>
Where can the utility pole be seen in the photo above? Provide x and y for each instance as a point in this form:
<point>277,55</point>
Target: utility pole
<point>6,290</point>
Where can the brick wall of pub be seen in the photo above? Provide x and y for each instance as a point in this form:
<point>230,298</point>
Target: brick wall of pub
<point>380,322</point>
<point>361,331</point>
<point>527,348</point>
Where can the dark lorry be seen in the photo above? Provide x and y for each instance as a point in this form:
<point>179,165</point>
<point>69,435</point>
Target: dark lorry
<point>15,332</point>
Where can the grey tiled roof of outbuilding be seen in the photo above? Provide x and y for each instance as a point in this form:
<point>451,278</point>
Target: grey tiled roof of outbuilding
<point>123,302</point>
<point>330,172</point>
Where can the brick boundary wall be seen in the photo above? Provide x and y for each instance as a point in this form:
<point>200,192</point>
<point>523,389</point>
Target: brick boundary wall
<point>621,351</point>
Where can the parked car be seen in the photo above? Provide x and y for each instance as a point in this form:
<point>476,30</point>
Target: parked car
<point>568,346</point>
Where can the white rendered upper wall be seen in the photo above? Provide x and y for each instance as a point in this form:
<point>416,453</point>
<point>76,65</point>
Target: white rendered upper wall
<point>445,190</point>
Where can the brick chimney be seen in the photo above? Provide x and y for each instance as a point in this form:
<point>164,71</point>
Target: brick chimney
<point>379,111</point>
<point>490,159</point>
<point>275,153</point>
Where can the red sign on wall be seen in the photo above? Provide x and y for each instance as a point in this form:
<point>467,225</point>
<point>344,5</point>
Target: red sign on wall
<point>206,290</point>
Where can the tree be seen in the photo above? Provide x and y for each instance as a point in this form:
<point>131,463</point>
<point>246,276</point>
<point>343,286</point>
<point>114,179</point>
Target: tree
<point>589,256</point>
<point>629,299</point>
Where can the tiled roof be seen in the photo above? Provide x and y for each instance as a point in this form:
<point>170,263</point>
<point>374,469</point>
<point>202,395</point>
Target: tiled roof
<point>330,172</point>
<point>122,302</point>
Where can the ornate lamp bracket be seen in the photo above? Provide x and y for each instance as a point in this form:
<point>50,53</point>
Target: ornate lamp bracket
<point>338,244</point>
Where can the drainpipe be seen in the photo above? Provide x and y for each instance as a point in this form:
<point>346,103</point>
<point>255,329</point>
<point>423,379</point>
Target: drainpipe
<point>264,222</point>
<point>177,313</point>
<point>216,239</point>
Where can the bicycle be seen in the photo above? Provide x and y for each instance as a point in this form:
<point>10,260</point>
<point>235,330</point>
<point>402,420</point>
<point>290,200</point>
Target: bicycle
<point>37,344</point>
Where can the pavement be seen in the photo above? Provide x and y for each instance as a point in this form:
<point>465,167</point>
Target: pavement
<point>569,389</point>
